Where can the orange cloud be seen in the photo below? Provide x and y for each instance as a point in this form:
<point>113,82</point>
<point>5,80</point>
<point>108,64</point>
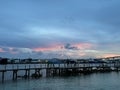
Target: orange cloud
<point>110,55</point>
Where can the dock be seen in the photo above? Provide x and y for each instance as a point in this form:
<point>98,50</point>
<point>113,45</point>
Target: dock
<point>57,69</point>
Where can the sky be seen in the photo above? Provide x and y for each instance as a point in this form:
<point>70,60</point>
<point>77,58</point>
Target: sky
<point>59,28</point>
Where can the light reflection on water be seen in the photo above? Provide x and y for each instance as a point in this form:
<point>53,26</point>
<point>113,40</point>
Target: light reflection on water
<point>95,81</point>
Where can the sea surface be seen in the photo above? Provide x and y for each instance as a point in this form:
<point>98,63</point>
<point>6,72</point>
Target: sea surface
<point>94,81</point>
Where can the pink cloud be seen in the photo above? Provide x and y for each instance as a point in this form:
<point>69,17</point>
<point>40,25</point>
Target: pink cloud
<point>51,47</point>
<point>1,50</point>
<point>110,55</point>
<point>10,48</point>
<point>59,46</point>
<point>43,48</point>
<point>82,54</point>
<point>83,45</point>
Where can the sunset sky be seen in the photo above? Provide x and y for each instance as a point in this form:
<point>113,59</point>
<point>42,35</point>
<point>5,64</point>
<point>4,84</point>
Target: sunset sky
<point>59,28</point>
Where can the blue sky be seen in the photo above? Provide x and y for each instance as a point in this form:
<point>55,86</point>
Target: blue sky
<point>59,28</point>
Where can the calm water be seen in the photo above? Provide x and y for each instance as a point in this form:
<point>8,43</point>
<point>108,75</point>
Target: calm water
<point>96,81</point>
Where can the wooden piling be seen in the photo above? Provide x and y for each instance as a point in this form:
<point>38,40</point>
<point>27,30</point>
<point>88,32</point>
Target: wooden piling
<point>14,77</point>
<point>3,76</point>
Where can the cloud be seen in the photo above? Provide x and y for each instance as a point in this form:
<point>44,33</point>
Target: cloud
<point>49,47</point>
<point>78,46</point>
<point>15,50</point>
<point>110,55</point>
<point>69,46</point>
<point>38,53</point>
<point>40,28</point>
<point>1,50</point>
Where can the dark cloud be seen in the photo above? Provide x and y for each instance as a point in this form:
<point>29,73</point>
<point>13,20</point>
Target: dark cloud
<point>70,47</point>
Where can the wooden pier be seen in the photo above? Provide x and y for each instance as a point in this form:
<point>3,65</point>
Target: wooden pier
<point>63,69</point>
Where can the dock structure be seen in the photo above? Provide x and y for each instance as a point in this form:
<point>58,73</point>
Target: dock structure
<point>59,69</point>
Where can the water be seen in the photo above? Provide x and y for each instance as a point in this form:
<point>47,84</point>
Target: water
<point>95,81</point>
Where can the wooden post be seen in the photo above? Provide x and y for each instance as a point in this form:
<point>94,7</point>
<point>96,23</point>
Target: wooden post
<point>2,76</point>
<point>46,72</point>
<point>16,74</point>
<point>17,66</point>
<point>13,75</point>
<point>5,67</point>
<point>12,66</point>
<point>59,71</point>
<point>29,73</point>
<point>26,73</point>
<point>29,66</point>
<point>25,66</point>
